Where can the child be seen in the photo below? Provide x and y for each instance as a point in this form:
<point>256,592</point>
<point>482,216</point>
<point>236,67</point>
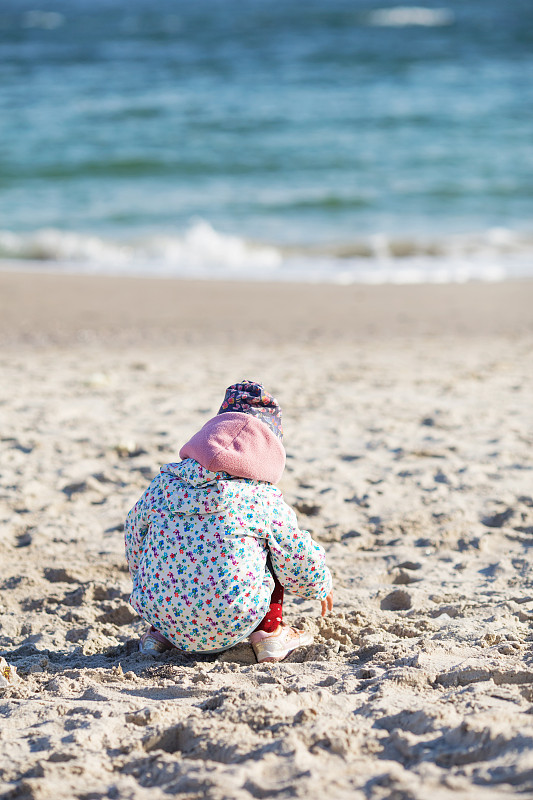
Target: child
<point>211,543</point>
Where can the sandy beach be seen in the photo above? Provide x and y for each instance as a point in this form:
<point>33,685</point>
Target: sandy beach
<point>408,429</point>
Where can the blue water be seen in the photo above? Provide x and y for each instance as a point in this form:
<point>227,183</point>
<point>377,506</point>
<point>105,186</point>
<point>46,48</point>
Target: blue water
<point>360,139</point>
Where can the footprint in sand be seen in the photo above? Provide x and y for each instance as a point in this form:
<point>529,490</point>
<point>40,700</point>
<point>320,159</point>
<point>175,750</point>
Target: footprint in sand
<point>399,600</point>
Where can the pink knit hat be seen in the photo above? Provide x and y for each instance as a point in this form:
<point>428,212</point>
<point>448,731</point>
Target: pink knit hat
<point>239,444</point>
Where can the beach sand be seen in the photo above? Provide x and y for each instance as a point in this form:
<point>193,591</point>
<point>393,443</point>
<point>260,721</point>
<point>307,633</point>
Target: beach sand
<point>408,429</point>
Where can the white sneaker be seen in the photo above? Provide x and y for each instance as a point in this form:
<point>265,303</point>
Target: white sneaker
<point>153,643</point>
<point>277,645</point>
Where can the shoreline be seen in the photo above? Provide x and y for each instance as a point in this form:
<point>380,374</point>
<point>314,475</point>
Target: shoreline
<point>57,308</point>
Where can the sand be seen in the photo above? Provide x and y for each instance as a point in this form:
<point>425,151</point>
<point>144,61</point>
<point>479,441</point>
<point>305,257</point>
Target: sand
<point>408,428</point>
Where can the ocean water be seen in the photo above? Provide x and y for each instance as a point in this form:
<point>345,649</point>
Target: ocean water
<point>322,140</point>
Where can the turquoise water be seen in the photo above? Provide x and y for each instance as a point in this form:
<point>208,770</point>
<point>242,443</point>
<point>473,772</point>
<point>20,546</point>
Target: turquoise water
<point>318,139</point>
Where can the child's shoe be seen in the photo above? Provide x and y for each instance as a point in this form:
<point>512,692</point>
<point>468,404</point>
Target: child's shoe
<point>277,645</point>
<point>153,643</point>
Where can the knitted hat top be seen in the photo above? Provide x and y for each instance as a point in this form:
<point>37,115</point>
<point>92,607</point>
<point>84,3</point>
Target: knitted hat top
<point>251,397</point>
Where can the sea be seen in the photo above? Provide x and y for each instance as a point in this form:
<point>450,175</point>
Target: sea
<point>347,141</point>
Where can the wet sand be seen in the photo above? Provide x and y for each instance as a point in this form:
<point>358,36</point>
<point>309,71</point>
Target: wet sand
<point>40,307</point>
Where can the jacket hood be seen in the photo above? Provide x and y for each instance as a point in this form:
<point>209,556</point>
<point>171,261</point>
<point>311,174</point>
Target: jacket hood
<point>239,444</point>
<point>189,488</point>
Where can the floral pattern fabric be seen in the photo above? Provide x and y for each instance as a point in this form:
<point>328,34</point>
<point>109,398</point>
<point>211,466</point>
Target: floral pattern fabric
<point>196,546</point>
<point>252,398</point>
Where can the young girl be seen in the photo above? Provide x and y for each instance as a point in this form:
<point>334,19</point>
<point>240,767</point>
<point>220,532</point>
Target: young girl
<point>211,543</point>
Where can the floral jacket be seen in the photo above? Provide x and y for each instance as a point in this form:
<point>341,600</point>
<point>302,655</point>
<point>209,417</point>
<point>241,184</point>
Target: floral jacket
<point>196,545</point>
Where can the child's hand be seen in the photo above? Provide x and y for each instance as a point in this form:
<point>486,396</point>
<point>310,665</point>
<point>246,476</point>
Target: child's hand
<point>327,604</point>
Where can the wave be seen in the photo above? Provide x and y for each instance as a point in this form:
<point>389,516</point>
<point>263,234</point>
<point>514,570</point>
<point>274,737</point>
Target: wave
<point>403,16</point>
<point>45,20</point>
<point>200,248</point>
<point>202,252</point>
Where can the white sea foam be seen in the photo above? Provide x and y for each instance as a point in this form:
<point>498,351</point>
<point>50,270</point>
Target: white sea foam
<point>200,249</point>
<point>403,16</point>
<point>204,253</point>
<point>46,20</point>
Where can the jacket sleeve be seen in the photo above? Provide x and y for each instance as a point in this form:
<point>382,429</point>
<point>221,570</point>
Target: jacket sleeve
<point>299,561</point>
<point>135,529</point>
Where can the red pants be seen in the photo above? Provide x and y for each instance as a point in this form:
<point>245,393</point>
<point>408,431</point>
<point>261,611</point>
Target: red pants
<point>274,615</point>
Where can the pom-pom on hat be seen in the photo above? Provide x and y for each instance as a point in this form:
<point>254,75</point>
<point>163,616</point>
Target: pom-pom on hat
<point>250,397</point>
